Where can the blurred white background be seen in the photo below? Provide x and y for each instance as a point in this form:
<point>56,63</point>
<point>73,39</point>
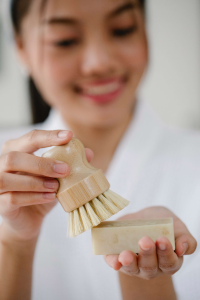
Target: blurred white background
<point>171,86</point>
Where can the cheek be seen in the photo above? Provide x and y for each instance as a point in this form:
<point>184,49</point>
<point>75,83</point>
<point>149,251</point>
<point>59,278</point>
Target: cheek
<point>135,56</point>
<point>49,67</point>
<point>60,69</point>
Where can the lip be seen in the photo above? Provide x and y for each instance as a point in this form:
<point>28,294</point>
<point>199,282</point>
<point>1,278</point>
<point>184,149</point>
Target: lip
<point>101,82</point>
<point>104,97</point>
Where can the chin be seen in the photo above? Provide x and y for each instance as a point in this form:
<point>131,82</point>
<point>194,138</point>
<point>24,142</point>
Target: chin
<point>102,122</point>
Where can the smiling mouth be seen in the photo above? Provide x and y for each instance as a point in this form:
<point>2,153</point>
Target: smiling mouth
<point>103,91</point>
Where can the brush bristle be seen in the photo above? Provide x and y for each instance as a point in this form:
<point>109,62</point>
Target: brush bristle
<point>94,212</point>
<point>119,201</point>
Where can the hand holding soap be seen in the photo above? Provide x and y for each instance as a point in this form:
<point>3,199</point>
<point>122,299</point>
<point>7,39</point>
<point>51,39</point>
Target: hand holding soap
<point>113,237</point>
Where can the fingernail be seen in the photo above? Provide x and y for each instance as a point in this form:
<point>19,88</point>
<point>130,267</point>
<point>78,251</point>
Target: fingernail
<point>49,196</point>
<point>162,246</point>
<point>51,184</point>
<point>63,134</point>
<point>145,248</point>
<point>60,167</point>
<point>185,247</point>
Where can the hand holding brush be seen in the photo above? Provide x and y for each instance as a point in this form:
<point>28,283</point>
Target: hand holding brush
<point>85,193</point>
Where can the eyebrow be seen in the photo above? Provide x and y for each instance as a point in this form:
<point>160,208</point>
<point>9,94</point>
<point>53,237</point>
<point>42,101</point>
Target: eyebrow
<point>70,21</point>
<point>123,8</point>
<point>57,20</point>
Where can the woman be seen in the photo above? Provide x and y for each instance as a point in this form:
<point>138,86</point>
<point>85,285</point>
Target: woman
<point>87,58</point>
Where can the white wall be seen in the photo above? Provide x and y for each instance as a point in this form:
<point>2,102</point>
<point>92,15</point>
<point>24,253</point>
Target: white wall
<point>14,106</point>
<point>172,84</point>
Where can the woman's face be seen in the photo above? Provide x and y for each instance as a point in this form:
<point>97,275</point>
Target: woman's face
<point>87,57</point>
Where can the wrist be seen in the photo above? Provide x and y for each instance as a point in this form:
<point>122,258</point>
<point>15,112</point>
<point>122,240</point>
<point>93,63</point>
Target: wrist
<point>15,243</point>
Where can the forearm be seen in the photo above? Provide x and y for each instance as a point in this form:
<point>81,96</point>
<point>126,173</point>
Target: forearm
<point>133,287</point>
<point>16,259</point>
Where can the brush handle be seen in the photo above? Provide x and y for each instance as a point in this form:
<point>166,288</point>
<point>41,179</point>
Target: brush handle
<point>84,182</point>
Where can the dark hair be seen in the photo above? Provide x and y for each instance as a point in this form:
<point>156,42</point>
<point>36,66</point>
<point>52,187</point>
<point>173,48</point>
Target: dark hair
<point>40,109</point>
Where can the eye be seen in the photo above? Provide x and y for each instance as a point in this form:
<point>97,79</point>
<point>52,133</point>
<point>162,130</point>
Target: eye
<point>66,43</point>
<point>124,31</point>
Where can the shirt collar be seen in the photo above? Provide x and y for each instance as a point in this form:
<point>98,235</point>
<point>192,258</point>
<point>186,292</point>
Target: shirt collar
<point>55,121</point>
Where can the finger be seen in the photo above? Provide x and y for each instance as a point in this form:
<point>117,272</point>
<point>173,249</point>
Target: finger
<point>13,200</point>
<point>168,261</point>
<point>147,259</point>
<point>13,182</point>
<point>112,261</point>
<point>24,162</point>
<point>37,139</point>
<point>128,259</point>
<point>89,154</point>
<point>185,244</point>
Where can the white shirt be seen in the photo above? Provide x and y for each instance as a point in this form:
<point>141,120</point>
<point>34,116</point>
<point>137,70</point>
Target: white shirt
<point>153,165</point>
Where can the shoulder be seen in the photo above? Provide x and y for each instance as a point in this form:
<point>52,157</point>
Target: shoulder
<point>163,158</point>
<point>150,138</point>
<point>178,146</point>
<point>169,142</point>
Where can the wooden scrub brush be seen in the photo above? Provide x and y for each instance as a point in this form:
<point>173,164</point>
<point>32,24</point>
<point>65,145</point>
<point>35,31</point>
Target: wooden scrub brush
<point>85,193</point>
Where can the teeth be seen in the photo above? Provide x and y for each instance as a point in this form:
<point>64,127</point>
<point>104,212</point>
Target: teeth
<point>105,89</point>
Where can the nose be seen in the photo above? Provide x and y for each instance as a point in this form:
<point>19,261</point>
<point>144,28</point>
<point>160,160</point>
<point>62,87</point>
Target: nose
<point>98,59</point>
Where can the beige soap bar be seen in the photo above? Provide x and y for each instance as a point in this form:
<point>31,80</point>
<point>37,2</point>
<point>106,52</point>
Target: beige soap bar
<point>112,237</point>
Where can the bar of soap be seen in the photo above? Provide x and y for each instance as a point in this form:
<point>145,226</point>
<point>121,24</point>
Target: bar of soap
<point>113,237</point>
